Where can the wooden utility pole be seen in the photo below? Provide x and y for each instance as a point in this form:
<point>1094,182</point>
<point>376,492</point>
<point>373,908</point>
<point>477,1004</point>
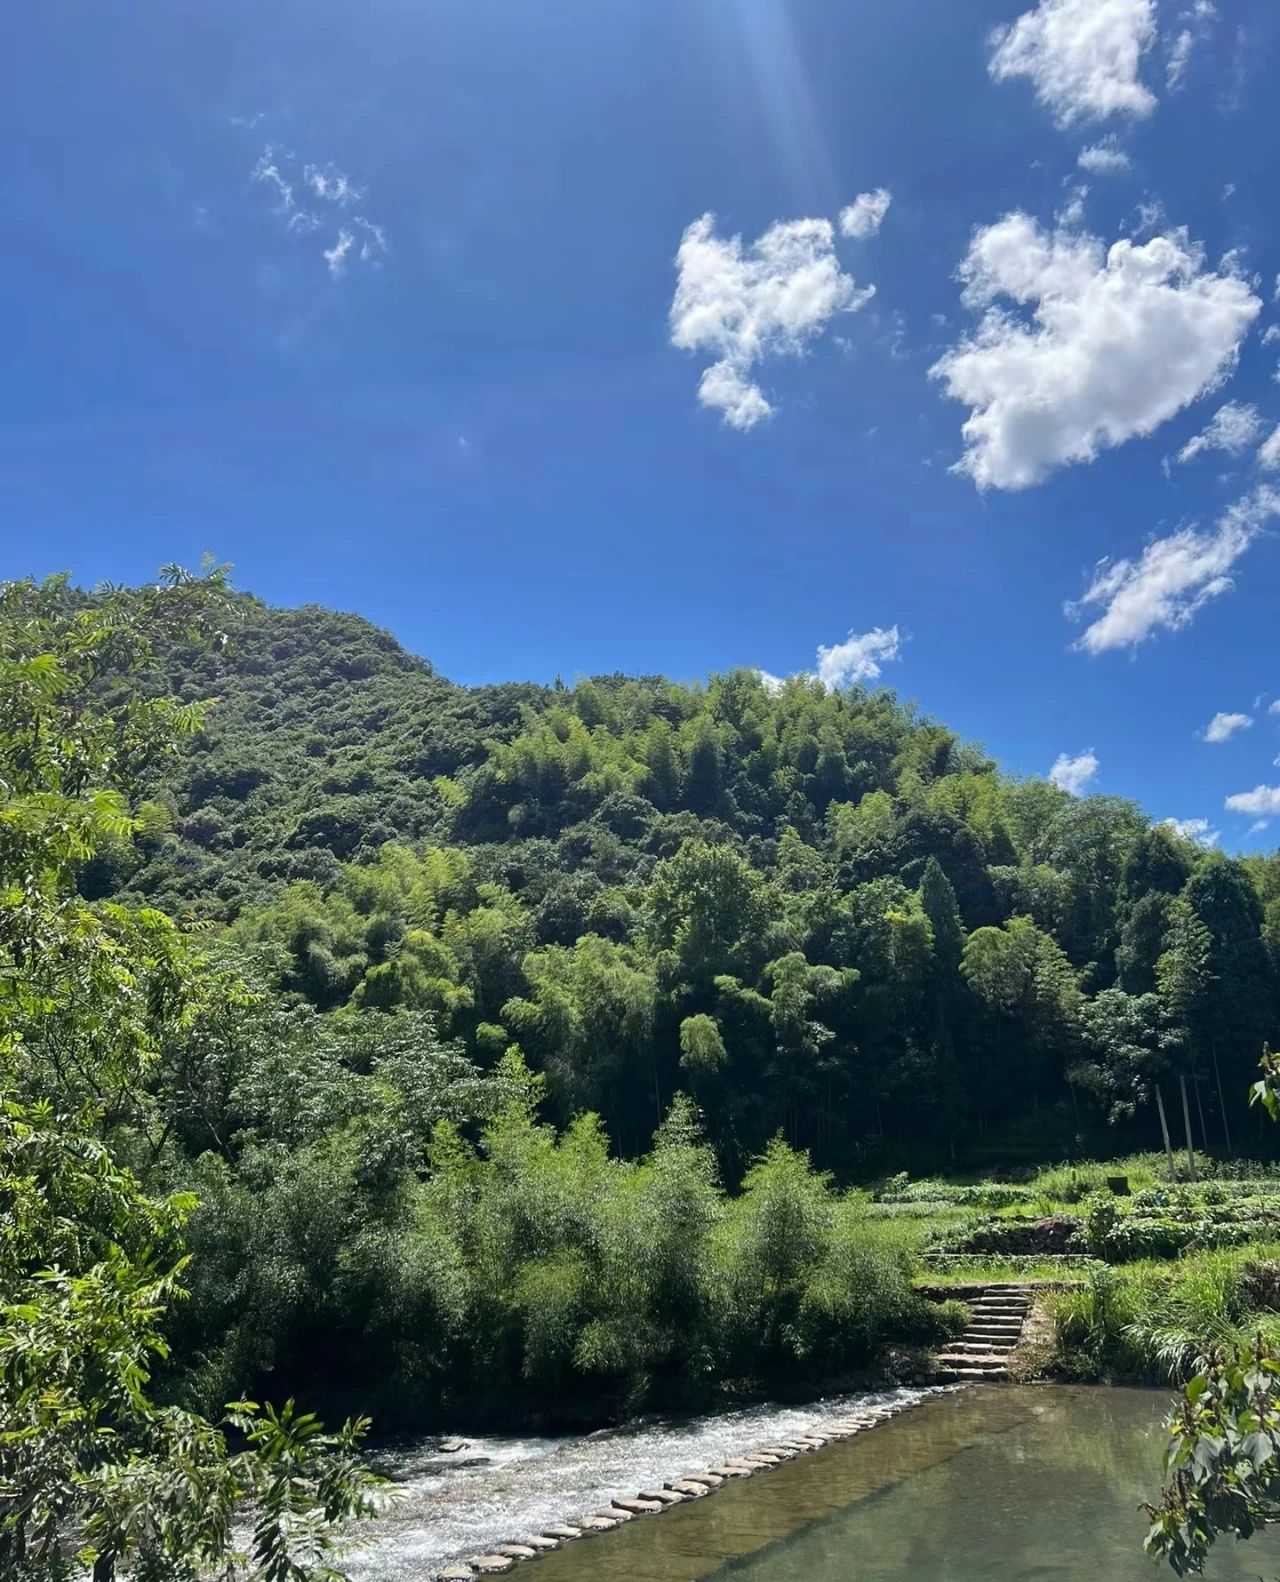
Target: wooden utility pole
<point>1186,1121</point>
<point>1164,1132</point>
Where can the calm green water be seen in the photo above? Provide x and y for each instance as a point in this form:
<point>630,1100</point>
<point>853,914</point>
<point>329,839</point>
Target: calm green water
<point>989,1485</point>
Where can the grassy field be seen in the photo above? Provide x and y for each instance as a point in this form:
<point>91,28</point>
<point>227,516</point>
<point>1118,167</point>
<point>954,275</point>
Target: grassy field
<point>1140,1285</point>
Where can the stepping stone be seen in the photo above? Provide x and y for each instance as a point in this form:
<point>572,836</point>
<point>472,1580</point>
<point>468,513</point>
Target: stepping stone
<point>492,1565</point>
<point>689,1488</point>
<point>730,1471</point>
<point>455,1573</point>
<point>565,1533</point>
<point>518,1551</point>
<point>600,1523</point>
<point>619,1513</point>
<point>663,1496</point>
<point>542,1542</point>
<point>640,1507</point>
<point>713,1480</point>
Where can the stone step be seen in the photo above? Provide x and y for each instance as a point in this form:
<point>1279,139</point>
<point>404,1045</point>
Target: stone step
<point>959,1375</point>
<point>997,1346</point>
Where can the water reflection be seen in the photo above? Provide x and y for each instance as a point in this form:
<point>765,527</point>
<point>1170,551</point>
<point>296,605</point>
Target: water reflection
<point>991,1485</point>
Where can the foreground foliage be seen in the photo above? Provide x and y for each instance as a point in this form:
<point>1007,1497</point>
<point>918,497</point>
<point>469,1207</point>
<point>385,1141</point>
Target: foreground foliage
<point>94,1475</point>
<point>1222,1467</point>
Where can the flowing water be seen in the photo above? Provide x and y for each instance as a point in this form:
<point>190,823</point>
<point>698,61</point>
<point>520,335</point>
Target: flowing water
<point>499,1490</point>
<point>996,1484</point>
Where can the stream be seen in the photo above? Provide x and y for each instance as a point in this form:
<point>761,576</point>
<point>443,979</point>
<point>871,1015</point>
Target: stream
<point>1004,1483</point>
<point>449,1507</point>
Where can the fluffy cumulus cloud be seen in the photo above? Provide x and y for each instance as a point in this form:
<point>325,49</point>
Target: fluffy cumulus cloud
<point>1232,428</point>
<point>1269,451</point>
<point>1222,727</point>
<point>1074,774</point>
<point>1172,579</point>
<point>1261,801</point>
<point>1196,829</point>
<point>1104,159</point>
<point>860,657</point>
<point>743,304</point>
<point>865,215</point>
<point>1083,56</point>
<point>1111,343</point>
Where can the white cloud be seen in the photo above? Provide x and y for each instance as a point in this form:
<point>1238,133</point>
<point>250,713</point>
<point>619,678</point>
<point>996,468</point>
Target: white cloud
<point>1232,428</point>
<point>1271,334</point>
<point>1197,21</point>
<point>1196,829</point>
<point>1275,707</point>
<point>1070,217</point>
<point>1269,450</point>
<point>746,304</point>
<point>1083,56</point>
<point>1222,727</point>
<point>336,256</point>
<point>1258,825</point>
<point>865,215</point>
<point>360,238</point>
<point>1118,341</point>
<point>370,244</point>
<point>1173,579</point>
<point>267,173</point>
<point>332,185</point>
<point>1104,158</point>
<point>859,657</point>
<point>1262,800</point>
<point>1074,774</point>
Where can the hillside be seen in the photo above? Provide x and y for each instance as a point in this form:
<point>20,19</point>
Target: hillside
<point>818,912</point>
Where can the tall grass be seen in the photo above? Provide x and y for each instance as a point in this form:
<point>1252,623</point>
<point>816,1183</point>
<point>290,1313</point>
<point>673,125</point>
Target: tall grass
<point>1151,1321</point>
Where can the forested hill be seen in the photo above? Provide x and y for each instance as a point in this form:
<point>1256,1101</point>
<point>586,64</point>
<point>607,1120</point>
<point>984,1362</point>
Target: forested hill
<point>815,911</point>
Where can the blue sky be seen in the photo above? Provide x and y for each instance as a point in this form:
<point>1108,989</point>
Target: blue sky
<point>382,304</point>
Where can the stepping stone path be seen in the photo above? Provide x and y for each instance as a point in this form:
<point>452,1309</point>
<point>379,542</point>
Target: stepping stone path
<point>693,1485</point>
<point>996,1317</point>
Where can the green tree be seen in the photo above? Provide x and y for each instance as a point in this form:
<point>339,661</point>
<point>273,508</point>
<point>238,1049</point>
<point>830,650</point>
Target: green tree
<point>89,1465</point>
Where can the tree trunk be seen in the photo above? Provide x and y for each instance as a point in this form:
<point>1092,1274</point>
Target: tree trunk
<point>1222,1103</point>
<point>1204,1130</point>
<point>1186,1121</point>
<point>1164,1132</point>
